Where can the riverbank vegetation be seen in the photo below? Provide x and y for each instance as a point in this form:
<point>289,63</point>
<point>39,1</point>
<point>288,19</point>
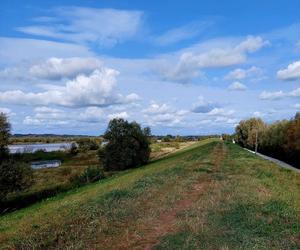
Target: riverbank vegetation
<point>79,165</point>
<point>48,138</point>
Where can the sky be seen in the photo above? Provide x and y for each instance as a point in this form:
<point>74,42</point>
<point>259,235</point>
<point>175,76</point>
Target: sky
<point>181,67</point>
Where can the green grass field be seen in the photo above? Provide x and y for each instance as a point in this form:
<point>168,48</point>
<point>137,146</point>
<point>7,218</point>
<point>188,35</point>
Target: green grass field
<point>211,195</point>
<point>50,181</point>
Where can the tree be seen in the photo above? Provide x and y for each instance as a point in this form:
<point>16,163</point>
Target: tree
<point>226,137</point>
<point>274,138</point>
<point>86,144</point>
<point>14,176</point>
<point>128,145</point>
<point>248,131</point>
<point>292,145</point>
<point>147,131</point>
<point>4,136</point>
<point>280,139</point>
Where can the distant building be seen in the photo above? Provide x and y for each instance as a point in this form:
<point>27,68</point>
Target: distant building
<point>158,141</point>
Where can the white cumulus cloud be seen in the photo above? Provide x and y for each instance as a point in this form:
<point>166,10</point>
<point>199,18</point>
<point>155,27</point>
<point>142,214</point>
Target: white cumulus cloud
<point>239,74</point>
<point>218,56</point>
<point>295,93</point>
<point>123,115</point>
<point>291,73</point>
<point>57,68</point>
<point>265,95</point>
<point>221,112</point>
<point>6,111</point>
<point>95,89</point>
<point>237,86</point>
<point>163,114</point>
<point>203,106</point>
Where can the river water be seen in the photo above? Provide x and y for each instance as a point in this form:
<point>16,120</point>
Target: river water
<point>31,148</point>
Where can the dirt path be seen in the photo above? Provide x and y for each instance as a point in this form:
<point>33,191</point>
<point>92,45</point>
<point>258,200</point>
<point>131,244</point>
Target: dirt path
<point>166,221</point>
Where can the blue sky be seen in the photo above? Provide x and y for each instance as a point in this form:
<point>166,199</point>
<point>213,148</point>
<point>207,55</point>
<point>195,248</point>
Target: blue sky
<point>180,67</point>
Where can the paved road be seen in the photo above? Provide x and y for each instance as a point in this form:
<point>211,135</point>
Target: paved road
<point>278,162</point>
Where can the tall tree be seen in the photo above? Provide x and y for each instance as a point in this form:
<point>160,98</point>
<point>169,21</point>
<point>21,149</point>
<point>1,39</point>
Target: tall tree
<point>128,145</point>
<point>4,136</point>
<point>248,130</point>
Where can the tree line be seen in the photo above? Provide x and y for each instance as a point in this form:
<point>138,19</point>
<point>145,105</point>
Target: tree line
<point>280,139</point>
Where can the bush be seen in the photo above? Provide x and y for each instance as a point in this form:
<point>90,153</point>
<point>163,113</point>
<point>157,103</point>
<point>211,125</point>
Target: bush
<point>73,149</point>
<point>14,176</point>
<point>91,174</point>
<point>87,144</point>
<point>128,145</point>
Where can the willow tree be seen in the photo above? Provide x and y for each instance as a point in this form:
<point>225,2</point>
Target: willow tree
<point>127,145</point>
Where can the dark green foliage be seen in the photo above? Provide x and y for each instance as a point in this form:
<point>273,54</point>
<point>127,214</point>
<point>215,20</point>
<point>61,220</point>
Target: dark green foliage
<point>4,136</point>
<point>91,174</point>
<point>73,149</point>
<point>26,199</point>
<point>128,146</point>
<point>14,176</point>
<point>167,138</point>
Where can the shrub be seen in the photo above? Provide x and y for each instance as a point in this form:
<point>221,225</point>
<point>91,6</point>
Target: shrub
<point>87,144</point>
<point>128,145</point>
<point>91,174</point>
<point>73,149</point>
<point>14,176</point>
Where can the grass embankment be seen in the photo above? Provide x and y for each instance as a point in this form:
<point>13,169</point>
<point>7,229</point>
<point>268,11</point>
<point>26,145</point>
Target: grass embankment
<point>210,196</point>
<point>49,182</point>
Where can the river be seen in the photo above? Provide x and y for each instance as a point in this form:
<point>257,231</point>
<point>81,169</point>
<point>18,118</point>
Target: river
<point>31,148</point>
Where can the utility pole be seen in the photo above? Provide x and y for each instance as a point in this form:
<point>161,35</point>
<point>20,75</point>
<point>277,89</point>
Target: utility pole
<point>256,140</point>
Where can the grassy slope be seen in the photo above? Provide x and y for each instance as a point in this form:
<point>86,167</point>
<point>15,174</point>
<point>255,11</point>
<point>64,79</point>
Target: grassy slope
<point>208,196</point>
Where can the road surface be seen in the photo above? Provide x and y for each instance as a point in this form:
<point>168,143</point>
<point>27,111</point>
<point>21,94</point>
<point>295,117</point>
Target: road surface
<point>278,162</point>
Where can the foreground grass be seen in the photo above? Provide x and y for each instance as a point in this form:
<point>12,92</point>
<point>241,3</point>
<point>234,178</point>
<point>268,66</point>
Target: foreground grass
<point>210,196</point>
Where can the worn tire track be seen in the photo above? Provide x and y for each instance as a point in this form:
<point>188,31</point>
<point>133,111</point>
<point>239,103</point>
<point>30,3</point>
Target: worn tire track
<point>166,222</point>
